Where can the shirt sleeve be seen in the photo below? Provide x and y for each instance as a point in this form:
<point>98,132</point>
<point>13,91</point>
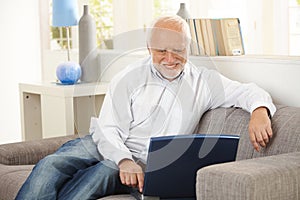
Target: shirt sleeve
<point>228,93</point>
<point>111,129</point>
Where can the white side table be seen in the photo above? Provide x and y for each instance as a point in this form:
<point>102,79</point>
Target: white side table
<point>51,110</point>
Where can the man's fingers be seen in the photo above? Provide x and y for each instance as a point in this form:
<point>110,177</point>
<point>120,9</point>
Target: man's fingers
<point>253,140</point>
<point>133,180</point>
<point>131,174</point>
<point>128,179</point>
<point>265,137</point>
<point>260,138</point>
<point>270,132</point>
<point>122,178</point>
<point>140,177</point>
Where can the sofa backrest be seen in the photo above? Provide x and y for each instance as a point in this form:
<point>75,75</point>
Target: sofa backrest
<point>285,126</point>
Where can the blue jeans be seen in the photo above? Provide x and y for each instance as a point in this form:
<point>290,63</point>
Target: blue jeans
<point>75,171</point>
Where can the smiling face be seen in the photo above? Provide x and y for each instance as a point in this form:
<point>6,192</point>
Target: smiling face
<point>168,47</point>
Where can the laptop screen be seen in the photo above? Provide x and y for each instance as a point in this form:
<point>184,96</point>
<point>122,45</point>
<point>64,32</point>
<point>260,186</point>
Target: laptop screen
<point>174,160</point>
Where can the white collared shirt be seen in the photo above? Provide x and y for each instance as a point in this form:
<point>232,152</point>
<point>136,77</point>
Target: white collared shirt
<point>141,104</point>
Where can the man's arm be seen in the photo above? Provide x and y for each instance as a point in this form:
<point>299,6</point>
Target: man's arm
<point>260,131</point>
<point>111,130</point>
<point>250,97</point>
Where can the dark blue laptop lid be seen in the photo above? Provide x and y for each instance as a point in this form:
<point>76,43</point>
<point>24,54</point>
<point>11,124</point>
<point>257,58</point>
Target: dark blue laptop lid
<point>174,160</point>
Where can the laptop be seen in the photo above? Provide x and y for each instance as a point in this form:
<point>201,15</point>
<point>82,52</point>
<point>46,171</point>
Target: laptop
<point>174,160</point>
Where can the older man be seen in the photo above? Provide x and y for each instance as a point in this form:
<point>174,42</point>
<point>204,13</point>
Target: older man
<point>160,95</point>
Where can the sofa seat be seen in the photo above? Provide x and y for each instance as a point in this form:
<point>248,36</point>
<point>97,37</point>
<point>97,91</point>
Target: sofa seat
<point>11,178</point>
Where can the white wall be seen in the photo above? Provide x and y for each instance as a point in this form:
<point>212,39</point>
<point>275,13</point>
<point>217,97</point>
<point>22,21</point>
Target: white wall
<point>20,60</point>
<point>277,75</point>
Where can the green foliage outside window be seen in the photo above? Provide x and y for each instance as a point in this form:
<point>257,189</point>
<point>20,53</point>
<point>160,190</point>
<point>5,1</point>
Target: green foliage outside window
<point>102,11</point>
<point>157,8</point>
<point>60,35</point>
<point>164,7</point>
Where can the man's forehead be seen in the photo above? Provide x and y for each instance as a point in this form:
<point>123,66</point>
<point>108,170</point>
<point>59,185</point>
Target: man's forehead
<point>166,38</point>
<point>167,32</point>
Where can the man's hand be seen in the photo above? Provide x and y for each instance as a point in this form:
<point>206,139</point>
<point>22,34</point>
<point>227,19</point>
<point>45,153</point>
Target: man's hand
<point>131,174</point>
<point>260,130</point>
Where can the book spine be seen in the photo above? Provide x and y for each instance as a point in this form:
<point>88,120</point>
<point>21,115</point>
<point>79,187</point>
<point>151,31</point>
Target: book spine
<point>241,35</point>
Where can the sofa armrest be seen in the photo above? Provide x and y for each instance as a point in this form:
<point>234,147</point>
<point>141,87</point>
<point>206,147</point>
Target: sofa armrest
<point>30,152</point>
<point>271,177</point>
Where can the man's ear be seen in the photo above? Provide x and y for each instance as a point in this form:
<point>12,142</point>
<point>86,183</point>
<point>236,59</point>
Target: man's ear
<point>148,49</point>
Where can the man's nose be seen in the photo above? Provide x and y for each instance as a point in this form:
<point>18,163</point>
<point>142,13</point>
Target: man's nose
<point>169,57</point>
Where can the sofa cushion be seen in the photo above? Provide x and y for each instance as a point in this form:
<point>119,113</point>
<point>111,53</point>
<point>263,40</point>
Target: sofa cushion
<point>225,121</point>
<point>11,179</point>
<point>30,152</point>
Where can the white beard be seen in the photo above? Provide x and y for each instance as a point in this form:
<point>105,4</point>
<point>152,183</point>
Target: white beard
<point>167,73</point>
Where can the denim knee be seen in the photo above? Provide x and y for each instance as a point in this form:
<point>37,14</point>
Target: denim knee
<point>110,169</point>
<point>94,182</point>
<point>53,164</point>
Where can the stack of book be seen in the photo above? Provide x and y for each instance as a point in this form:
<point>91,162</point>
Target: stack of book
<point>216,37</point>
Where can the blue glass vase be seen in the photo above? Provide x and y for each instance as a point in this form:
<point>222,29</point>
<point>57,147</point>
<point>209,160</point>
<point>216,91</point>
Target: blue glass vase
<point>68,73</point>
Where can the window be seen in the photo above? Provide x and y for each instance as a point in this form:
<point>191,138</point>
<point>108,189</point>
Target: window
<point>102,12</point>
<point>166,7</point>
<point>59,38</point>
<point>294,27</point>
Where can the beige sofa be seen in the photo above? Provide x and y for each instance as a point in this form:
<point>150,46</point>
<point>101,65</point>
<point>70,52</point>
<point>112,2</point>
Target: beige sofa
<point>273,173</point>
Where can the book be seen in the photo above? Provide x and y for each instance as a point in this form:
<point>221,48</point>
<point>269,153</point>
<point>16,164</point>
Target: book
<point>205,36</point>
<point>199,37</point>
<point>220,48</point>
<point>194,50</point>
<point>211,38</point>
<point>228,36</point>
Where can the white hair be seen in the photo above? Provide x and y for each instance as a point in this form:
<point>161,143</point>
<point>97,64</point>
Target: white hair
<point>168,20</point>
